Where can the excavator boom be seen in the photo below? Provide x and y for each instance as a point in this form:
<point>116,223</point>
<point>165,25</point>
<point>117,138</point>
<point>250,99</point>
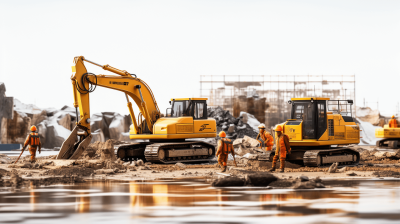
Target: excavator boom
<point>82,84</point>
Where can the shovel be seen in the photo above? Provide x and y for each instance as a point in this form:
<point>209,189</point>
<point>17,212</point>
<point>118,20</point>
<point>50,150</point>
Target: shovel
<point>23,149</point>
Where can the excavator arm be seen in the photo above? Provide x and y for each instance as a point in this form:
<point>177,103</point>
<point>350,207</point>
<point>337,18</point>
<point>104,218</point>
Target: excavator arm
<point>83,83</point>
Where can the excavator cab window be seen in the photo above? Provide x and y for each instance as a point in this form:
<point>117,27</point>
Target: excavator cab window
<point>195,108</point>
<point>200,110</point>
<point>313,115</point>
<point>178,108</point>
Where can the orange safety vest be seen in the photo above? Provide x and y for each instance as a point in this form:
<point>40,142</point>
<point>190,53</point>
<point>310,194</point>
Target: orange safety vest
<point>227,145</point>
<point>266,140</point>
<point>393,123</point>
<point>34,139</point>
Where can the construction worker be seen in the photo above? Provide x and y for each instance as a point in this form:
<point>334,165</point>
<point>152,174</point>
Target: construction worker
<point>265,138</point>
<point>33,140</point>
<point>282,147</point>
<point>225,146</point>
<point>393,122</point>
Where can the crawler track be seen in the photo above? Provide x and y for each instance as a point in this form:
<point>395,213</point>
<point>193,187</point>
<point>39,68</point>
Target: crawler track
<point>171,152</point>
<point>322,157</point>
<point>392,143</point>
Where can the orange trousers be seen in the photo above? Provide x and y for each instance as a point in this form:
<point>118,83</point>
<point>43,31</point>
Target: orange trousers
<point>222,159</point>
<point>32,151</point>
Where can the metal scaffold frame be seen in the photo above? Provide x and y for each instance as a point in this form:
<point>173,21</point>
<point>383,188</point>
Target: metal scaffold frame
<point>221,90</point>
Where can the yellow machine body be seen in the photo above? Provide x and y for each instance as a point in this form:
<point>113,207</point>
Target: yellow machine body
<point>387,132</point>
<point>335,131</point>
<point>179,128</point>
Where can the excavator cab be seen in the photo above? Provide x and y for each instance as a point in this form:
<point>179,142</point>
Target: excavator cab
<point>194,107</point>
<point>311,114</point>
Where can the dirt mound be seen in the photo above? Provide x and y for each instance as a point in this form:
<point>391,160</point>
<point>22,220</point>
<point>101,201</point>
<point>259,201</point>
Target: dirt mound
<point>100,150</point>
<point>4,159</point>
<point>3,172</point>
<point>73,171</point>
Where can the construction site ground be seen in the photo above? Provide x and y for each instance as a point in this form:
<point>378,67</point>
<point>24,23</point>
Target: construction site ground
<point>48,171</point>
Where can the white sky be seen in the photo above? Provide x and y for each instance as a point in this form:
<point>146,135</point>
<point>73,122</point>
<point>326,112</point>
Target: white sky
<point>169,44</point>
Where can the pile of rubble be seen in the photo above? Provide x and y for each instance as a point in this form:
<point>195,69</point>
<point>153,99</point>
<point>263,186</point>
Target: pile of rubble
<point>54,125</point>
<point>368,155</point>
<point>234,127</point>
<point>246,145</point>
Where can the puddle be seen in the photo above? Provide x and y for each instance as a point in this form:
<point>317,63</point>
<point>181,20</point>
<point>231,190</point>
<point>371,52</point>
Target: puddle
<point>193,201</point>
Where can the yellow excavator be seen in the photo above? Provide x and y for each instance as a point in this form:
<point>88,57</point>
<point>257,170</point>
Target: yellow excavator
<point>319,130</point>
<point>388,136</point>
<point>167,137</point>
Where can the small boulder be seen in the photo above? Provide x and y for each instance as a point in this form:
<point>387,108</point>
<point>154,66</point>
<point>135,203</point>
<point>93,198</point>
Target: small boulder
<point>261,179</point>
<point>140,162</point>
<point>231,128</point>
<point>181,165</point>
<point>304,178</point>
<point>253,143</point>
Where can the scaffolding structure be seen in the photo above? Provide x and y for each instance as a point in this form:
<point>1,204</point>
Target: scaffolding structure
<point>222,90</point>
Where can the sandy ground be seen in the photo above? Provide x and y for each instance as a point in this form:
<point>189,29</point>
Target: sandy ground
<point>190,171</point>
<point>49,171</point>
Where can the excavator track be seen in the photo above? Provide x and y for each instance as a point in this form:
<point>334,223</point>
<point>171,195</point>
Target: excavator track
<point>129,152</point>
<point>391,143</point>
<point>174,152</point>
<point>171,152</point>
<point>322,157</point>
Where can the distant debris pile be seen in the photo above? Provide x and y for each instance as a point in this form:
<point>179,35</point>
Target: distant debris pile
<point>54,125</point>
<point>234,127</point>
<point>366,114</point>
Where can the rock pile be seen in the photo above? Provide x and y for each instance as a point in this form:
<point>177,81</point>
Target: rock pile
<point>54,125</point>
<point>378,155</point>
<point>110,125</point>
<point>246,145</point>
<point>234,127</point>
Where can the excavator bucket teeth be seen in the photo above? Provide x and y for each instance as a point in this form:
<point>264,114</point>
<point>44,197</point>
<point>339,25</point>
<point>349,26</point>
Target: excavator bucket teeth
<point>81,147</point>
<point>68,144</point>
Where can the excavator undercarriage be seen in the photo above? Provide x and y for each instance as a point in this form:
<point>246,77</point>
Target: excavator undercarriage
<point>319,157</point>
<point>167,152</point>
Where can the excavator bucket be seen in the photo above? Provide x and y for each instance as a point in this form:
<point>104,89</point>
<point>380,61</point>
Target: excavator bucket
<point>81,147</point>
<point>68,145</point>
<point>72,148</point>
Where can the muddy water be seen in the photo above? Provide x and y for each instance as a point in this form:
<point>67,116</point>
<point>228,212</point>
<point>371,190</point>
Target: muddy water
<point>193,201</point>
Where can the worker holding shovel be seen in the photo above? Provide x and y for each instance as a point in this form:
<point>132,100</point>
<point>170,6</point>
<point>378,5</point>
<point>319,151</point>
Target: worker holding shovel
<point>33,140</point>
<point>225,148</point>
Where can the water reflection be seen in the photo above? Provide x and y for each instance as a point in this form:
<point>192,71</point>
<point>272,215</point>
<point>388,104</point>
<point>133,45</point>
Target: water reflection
<point>194,201</point>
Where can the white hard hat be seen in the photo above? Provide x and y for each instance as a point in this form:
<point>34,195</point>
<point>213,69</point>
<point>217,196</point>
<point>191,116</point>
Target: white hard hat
<point>261,126</point>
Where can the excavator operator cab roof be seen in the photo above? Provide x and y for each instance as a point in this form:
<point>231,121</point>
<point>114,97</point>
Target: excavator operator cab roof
<point>194,107</point>
<point>313,113</point>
